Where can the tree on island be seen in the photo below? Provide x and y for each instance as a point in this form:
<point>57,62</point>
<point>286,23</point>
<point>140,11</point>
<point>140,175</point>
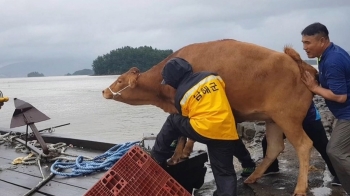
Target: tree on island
<point>35,74</point>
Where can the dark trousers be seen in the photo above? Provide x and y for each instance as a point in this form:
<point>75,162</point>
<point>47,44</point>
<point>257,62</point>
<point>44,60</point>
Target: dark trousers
<point>220,152</point>
<point>317,134</point>
<point>338,150</point>
<point>243,155</point>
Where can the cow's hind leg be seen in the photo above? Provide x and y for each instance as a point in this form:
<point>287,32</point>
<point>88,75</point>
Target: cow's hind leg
<point>302,144</point>
<point>275,145</point>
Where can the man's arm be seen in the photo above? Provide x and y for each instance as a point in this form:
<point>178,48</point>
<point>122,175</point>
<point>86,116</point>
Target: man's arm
<point>312,85</point>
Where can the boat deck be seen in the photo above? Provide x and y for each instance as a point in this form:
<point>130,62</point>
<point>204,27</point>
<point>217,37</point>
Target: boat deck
<point>20,179</point>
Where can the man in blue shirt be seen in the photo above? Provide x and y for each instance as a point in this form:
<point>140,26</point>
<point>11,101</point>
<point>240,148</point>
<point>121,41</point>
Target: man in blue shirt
<point>334,77</point>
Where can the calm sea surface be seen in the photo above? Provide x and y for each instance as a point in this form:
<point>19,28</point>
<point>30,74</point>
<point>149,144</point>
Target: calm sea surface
<point>78,100</point>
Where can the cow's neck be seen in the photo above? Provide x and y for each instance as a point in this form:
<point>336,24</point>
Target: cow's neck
<point>166,107</point>
<point>164,95</point>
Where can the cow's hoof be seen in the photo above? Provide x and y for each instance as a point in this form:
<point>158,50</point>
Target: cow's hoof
<point>172,162</point>
<point>250,180</point>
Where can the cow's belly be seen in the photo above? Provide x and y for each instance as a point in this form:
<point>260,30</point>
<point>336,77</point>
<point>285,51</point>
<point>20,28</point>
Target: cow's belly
<point>254,116</point>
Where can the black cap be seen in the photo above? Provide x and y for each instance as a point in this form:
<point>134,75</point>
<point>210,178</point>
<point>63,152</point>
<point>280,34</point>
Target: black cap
<point>175,70</point>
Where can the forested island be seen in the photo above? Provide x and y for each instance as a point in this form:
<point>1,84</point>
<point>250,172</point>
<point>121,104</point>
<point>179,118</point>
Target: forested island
<point>35,74</point>
<point>122,59</point>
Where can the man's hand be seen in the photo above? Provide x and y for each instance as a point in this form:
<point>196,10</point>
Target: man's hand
<point>313,86</point>
<point>309,81</point>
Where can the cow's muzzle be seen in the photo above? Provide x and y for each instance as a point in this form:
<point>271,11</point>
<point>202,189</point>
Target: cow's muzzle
<point>119,92</point>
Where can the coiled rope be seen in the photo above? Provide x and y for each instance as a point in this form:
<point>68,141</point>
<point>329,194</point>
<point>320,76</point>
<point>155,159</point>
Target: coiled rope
<point>79,165</point>
<point>101,162</point>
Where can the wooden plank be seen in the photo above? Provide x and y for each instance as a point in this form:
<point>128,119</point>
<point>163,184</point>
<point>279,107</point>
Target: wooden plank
<point>54,138</point>
<point>7,155</point>
<point>28,176</point>
<point>23,171</point>
<point>9,152</point>
<point>13,190</point>
<point>52,187</point>
<point>33,170</point>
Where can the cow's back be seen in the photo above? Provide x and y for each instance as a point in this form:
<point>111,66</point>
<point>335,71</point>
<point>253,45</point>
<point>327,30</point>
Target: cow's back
<point>258,80</point>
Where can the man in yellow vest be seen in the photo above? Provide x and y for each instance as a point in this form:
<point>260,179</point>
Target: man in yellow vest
<point>205,116</point>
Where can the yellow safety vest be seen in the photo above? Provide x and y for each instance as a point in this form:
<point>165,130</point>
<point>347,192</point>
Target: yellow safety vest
<point>209,111</point>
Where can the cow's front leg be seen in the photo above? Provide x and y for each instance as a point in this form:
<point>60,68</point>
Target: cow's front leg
<point>188,149</point>
<point>178,151</point>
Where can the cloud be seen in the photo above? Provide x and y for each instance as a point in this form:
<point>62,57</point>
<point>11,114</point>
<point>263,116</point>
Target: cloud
<point>84,29</point>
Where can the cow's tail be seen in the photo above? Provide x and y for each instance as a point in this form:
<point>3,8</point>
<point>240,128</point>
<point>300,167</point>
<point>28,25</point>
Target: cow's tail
<point>303,66</point>
<point>296,57</point>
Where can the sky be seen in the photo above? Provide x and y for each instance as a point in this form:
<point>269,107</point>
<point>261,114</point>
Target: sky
<point>82,30</point>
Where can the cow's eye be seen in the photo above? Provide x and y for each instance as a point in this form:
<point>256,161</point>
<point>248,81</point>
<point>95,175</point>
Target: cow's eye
<point>119,81</point>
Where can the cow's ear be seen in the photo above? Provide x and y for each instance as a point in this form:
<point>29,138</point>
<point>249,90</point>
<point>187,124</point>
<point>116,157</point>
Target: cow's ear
<point>133,78</point>
<point>132,82</point>
<point>134,70</point>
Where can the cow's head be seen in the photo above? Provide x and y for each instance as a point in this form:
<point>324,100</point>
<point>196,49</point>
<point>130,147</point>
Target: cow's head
<point>137,88</point>
<point>121,85</point>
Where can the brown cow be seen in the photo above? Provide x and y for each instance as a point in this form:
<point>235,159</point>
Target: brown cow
<point>261,84</point>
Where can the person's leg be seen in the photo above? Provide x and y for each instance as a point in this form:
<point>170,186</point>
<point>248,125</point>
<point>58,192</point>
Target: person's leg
<point>338,150</point>
<point>243,156</point>
<point>274,167</point>
<point>317,134</point>
<point>163,147</point>
<point>221,161</point>
<point>174,127</point>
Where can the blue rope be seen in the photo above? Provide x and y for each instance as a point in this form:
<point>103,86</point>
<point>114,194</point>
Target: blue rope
<point>101,162</point>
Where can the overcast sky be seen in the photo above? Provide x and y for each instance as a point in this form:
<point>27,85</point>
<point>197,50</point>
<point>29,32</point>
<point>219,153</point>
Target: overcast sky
<point>85,29</point>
